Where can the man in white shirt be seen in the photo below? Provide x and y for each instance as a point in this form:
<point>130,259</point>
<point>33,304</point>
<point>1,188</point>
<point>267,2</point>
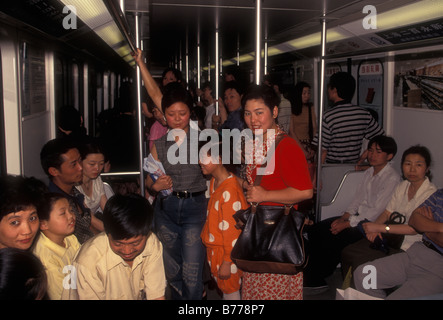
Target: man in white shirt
<point>329,237</point>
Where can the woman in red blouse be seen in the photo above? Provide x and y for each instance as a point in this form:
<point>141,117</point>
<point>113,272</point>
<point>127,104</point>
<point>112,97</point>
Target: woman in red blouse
<point>288,183</point>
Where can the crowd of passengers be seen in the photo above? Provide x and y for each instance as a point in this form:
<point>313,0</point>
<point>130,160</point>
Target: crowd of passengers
<point>66,239</point>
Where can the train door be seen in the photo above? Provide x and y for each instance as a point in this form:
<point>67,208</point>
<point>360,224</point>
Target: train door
<point>2,125</point>
<point>35,100</point>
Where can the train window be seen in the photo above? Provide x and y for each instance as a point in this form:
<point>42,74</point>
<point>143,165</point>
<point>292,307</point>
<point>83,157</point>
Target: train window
<point>419,80</point>
<point>2,125</point>
<point>33,79</point>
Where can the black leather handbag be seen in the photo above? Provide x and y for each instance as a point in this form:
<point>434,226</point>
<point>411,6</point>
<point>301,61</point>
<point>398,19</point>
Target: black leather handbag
<point>271,240</point>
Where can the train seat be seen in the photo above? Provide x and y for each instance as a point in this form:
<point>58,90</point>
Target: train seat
<point>338,187</point>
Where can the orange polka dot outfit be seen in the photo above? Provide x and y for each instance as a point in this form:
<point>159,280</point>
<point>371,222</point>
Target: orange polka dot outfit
<point>219,233</point>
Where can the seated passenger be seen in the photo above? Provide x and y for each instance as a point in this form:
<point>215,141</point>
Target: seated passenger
<point>19,199</point>
<point>93,162</point>
<point>61,161</point>
<point>124,262</point>
<point>417,272</point>
<point>56,245</point>
<point>22,276</point>
<point>329,237</point>
<point>339,143</point>
<point>408,195</point>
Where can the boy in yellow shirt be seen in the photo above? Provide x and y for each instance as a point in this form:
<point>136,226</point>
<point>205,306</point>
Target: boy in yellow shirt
<point>56,245</point>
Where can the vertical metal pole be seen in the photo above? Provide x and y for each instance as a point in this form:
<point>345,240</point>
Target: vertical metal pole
<point>217,61</point>
<point>139,110</point>
<point>187,57</point>
<point>238,49</point>
<point>320,112</point>
<point>198,55</point>
<point>257,41</point>
<point>266,46</point>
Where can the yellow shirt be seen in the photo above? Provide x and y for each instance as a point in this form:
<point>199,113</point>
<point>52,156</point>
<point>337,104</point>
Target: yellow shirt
<point>55,258</point>
<point>103,275</point>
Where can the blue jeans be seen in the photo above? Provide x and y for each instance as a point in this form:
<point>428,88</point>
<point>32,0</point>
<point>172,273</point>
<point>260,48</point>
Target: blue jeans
<point>178,224</point>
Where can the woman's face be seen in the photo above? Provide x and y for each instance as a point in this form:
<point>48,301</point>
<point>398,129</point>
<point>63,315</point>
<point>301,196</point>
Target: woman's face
<point>306,95</point>
<point>414,167</point>
<point>258,116</point>
<point>18,229</point>
<point>232,100</point>
<point>168,78</point>
<point>93,165</point>
<point>178,116</point>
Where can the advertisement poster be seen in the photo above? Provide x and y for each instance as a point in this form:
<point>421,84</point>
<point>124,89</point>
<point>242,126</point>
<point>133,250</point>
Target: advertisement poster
<point>370,88</point>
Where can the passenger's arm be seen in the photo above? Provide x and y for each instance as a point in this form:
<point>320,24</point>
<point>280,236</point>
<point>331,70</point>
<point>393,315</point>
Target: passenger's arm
<point>422,220</point>
<point>288,196</point>
<point>150,84</point>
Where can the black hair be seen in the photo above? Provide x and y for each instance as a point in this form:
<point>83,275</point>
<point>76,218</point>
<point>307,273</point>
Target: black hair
<point>234,85</point>
<point>127,216</point>
<point>52,151</point>
<point>220,146</point>
<point>46,206</point>
<point>294,95</point>
<point>22,276</point>
<point>69,118</point>
<point>18,193</point>
<point>423,152</point>
<point>263,92</point>
<point>344,82</point>
<point>386,144</point>
<point>175,92</point>
<point>90,145</point>
<point>176,72</point>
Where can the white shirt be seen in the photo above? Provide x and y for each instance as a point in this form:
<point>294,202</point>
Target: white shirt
<point>400,203</point>
<point>373,194</point>
<point>93,202</point>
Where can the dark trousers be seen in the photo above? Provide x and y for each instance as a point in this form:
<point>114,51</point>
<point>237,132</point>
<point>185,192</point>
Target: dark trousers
<point>325,251</point>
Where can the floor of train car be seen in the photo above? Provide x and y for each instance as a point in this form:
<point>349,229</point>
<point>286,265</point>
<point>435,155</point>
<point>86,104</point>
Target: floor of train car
<point>334,281</point>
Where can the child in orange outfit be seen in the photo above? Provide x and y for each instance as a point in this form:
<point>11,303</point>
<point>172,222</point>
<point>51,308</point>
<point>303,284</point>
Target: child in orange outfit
<point>219,233</point>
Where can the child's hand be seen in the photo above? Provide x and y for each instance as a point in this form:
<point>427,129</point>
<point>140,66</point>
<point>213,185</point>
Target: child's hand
<point>224,272</point>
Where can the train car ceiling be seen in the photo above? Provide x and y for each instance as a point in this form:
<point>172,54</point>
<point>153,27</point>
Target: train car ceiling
<point>169,28</point>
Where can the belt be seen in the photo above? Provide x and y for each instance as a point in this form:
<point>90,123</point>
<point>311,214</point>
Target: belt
<point>187,194</point>
<point>431,246</point>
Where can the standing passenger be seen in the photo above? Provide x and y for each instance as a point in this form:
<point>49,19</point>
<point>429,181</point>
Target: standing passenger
<point>180,216</point>
<point>289,183</point>
<point>219,233</point>
<point>345,126</point>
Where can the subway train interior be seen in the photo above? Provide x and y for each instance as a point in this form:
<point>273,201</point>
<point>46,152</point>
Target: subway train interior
<point>55,53</point>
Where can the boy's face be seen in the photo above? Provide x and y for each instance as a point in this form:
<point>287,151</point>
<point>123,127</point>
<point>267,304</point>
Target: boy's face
<point>376,157</point>
<point>18,229</point>
<point>61,220</point>
<point>128,249</point>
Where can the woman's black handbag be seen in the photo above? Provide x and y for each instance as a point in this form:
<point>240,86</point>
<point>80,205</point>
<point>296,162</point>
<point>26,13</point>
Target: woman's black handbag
<point>271,240</point>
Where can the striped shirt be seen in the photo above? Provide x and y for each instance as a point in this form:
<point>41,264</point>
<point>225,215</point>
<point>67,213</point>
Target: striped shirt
<point>344,128</point>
